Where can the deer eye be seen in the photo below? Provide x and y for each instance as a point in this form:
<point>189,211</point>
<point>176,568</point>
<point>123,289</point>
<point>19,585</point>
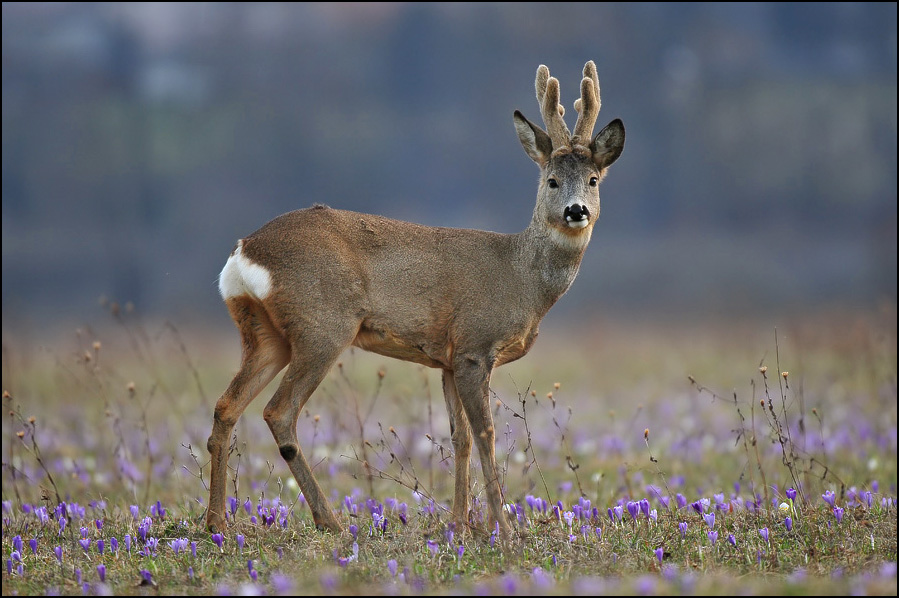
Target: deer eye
<point>553,183</point>
<point>593,181</point>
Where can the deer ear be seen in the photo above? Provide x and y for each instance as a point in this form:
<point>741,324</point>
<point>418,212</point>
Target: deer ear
<point>608,144</point>
<point>534,140</point>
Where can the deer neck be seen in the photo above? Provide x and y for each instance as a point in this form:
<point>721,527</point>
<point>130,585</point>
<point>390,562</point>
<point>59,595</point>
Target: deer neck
<point>549,258</point>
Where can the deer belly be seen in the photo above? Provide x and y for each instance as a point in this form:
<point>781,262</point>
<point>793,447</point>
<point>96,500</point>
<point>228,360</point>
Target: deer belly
<point>385,342</point>
<point>516,347</point>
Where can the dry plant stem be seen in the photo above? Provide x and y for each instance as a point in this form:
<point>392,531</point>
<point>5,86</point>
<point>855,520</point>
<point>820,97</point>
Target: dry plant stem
<point>783,381</point>
<point>360,425</point>
<point>778,429</point>
<point>523,416</point>
<point>416,486</point>
<point>187,359</point>
<point>566,448</point>
<point>754,440</point>
<point>652,459</point>
<point>742,434</point>
<point>199,474</point>
<point>15,481</point>
<point>35,451</point>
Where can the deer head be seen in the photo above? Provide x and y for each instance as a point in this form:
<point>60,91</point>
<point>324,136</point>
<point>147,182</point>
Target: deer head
<point>571,164</point>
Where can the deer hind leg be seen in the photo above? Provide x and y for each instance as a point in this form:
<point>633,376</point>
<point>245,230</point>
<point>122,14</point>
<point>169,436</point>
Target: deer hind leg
<point>461,434</point>
<point>265,353</point>
<point>313,354</point>
<point>472,380</point>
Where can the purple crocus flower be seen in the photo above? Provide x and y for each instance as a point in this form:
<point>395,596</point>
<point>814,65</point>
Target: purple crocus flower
<point>764,533</point>
<point>392,567</point>
<point>633,508</point>
<point>128,542</point>
<point>644,506</point>
<point>99,524</point>
<point>697,506</point>
<point>829,497</point>
<point>148,577</point>
<point>190,572</point>
<point>193,549</point>
<point>101,571</point>
<point>85,543</point>
<point>619,512</point>
<point>32,543</point>
<point>682,526</point>
<point>232,504</point>
<point>681,500</point>
<point>240,541</point>
<point>17,543</point>
<point>598,532</point>
<point>867,498</point>
<point>135,512</point>
<point>58,551</point>
<point>113,545</point>
<point>838,513</point>
<point>789,523</point>
<point>660,553</point>
<point>713,537</point>
<point>710,520</point>
<point>791,493</point>
<point>144,528</point>
<point>217,539</point>
<point>101,545</point>
<point>731,540</point>
<point>460,551</point>
<point>433,546</point>
<point>78,576</point>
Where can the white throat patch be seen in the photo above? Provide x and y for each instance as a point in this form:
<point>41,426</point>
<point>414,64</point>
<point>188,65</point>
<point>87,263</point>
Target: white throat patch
<point>576,241</point>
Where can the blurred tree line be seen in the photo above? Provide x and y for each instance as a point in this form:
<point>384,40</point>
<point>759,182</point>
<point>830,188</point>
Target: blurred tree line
<point>140,140</point>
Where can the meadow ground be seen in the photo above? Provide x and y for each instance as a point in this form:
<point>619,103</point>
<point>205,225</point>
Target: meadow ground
<point>655,458</point>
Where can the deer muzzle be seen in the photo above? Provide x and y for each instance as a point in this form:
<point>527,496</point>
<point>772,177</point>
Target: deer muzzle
<point>577,215</point>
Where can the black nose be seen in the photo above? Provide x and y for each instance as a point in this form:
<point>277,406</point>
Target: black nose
<point>576,213</point>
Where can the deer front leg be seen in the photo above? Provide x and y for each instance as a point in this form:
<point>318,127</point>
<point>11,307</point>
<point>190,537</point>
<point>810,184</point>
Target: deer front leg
<point>461,434</point>
<point>472,379</point>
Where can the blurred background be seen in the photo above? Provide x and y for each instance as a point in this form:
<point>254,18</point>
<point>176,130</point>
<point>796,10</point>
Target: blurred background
<point>141,140</point>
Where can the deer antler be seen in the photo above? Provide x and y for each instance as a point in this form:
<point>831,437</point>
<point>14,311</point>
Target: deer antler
<point>587,105</point>
<point>552,110</point>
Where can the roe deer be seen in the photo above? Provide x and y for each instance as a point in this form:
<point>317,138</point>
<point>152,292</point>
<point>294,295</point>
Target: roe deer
<point>313,282</point>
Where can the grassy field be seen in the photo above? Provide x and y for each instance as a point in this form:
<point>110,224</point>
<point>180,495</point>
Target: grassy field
<point>654,458</point>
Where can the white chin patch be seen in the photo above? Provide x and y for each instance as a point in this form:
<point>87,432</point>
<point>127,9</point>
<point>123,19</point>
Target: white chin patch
<point>578,223</point>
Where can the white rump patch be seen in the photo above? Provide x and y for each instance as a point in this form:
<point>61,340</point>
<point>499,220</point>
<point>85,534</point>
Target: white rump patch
<point>240,276</point>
